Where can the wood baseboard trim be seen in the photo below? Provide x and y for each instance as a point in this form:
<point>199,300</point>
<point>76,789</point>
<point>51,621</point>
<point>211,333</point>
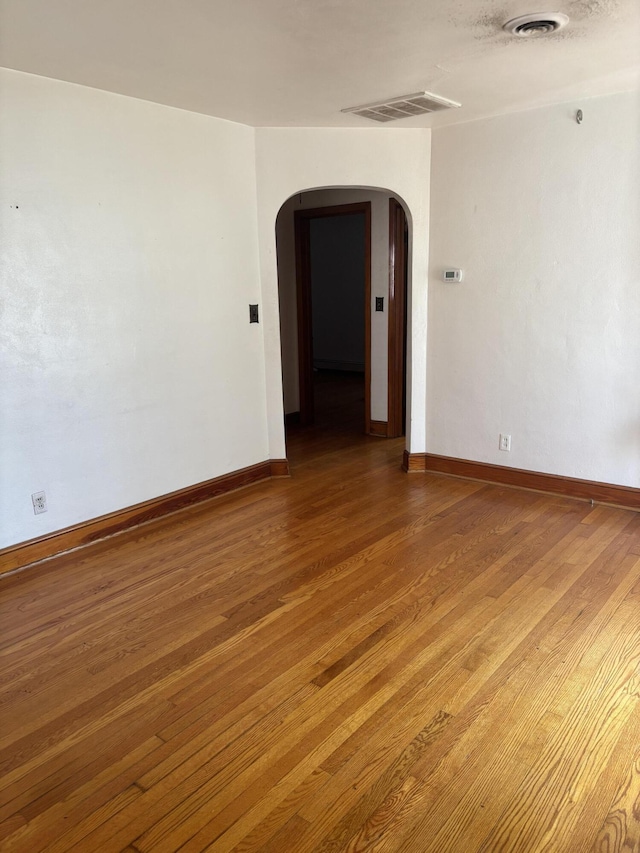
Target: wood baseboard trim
<point>279,468</point>
<point>379,429</point>
<point>23,554</point>
<point>292,418</point>
<point>571,487</point>
<point>413,463</point>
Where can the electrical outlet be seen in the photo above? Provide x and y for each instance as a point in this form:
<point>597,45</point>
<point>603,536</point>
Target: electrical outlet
<point>505,442</point>
<point>39,501</point>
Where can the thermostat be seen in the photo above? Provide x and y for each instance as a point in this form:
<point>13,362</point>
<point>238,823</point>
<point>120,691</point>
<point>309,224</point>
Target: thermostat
<point>452,275</point>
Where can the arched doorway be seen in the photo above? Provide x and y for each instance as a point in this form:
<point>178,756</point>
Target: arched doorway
<point>385,237</point>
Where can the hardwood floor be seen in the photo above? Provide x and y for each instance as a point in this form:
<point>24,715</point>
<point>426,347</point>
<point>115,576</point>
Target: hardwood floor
<point>351,660</point>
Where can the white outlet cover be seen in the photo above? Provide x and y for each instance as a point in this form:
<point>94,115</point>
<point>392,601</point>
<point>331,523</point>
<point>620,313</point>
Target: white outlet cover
<point>39,501</point>
<point>505,442</point>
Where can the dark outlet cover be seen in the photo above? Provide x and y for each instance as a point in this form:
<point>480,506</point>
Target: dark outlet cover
<point>253,314</point>
<point>379,303</point>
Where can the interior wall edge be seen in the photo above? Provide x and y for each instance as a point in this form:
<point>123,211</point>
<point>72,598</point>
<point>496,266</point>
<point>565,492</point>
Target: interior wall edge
<point>571,487</point>
<point>24,554</point>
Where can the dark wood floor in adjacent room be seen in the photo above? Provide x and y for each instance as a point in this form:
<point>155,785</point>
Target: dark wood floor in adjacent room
<point>354,659</point>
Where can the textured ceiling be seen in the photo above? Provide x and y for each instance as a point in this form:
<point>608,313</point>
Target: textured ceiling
<point>299,62</point>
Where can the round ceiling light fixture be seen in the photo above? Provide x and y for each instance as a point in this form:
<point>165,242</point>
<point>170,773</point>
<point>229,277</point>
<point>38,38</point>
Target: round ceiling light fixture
<point>539,24</point>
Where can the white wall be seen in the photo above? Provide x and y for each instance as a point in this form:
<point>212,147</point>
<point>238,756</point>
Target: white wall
<point>290,160</point>
<point>129,368</point>
<point>379,287</point>
<point>130,254</point>
<point>542,338</point>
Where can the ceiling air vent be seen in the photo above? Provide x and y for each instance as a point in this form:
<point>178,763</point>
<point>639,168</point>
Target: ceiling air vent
<point>403,107</point>
<point>540,24</point>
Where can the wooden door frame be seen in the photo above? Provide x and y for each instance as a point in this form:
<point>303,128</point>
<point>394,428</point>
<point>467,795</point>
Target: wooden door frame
<point>397,306</point>
<point>302,220</point>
